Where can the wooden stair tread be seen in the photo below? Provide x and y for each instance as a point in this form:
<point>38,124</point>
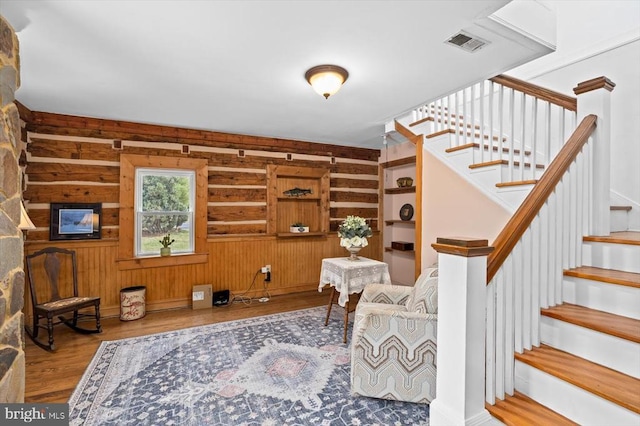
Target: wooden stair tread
<point>415,123</point>
<point>622,237</point>
<point>609,384</point>
<point>521,410</point>
<point>486,147</point>
<point>502,162</point>
<point>517,183</point>
<point>629,279</point>
<point>625,208</point>
<point>604,322</point>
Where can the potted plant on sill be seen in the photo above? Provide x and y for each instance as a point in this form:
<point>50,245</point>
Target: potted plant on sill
<point>166,241</point>
<point>298,227</point>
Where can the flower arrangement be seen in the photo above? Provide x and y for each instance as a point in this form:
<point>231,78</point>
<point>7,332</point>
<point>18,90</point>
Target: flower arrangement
<point>353,232</point>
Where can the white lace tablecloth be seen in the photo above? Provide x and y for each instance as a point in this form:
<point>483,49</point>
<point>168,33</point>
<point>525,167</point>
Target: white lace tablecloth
<point>350,276</point>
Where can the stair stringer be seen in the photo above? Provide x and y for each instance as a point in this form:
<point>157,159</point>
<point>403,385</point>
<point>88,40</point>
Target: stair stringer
<point>484,178</point>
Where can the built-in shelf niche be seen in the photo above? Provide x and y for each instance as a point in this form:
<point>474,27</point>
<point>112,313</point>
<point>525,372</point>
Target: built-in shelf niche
<point>311,209</point>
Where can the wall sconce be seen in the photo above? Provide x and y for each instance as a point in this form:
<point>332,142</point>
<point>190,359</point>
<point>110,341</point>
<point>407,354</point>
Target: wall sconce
<point>25,221</point>
<point>326,80</point>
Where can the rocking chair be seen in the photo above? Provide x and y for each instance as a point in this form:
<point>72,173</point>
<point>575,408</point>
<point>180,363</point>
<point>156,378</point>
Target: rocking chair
<point>53,260</point>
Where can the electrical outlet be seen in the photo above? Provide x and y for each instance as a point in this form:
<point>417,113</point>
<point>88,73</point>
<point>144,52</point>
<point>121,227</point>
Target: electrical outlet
<point>266,269</point>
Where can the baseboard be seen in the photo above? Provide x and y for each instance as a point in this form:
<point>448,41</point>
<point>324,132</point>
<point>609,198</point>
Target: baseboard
<point>183,303</point>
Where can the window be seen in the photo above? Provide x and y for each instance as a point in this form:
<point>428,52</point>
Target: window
<point>159,195</point>
<point>165,199</point>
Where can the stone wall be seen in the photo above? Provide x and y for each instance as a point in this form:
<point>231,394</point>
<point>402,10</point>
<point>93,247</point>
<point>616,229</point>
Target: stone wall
<point>12,359</point>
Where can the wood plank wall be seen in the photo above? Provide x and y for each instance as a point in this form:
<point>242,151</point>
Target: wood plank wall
<point>76,159</point>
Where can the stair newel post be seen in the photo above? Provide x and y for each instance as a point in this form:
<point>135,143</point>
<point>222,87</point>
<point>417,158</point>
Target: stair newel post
<point>594,97</point>
<point>460,382</point>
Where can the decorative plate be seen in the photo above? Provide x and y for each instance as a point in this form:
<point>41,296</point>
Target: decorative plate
<point>406,212</point>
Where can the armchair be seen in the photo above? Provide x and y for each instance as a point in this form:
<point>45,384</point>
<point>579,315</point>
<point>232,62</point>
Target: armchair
<point>393,352</point>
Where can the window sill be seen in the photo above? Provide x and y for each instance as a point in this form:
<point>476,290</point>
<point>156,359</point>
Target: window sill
<point>160,262</point>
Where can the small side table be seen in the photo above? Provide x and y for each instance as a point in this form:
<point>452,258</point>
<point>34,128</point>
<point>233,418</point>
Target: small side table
<point>350,276</point>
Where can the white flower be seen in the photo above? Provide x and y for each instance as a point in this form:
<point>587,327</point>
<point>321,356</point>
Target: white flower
<point>353,242</point>
<point>354,226</point>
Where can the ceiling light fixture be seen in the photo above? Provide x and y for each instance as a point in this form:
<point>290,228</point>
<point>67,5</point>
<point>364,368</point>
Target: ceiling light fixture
<point>326,80</point>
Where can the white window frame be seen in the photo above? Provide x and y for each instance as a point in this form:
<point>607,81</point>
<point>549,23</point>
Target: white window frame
<point>141,173</point>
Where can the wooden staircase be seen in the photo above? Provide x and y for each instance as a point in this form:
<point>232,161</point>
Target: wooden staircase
<point>590,351</point>
<point>586,367</point>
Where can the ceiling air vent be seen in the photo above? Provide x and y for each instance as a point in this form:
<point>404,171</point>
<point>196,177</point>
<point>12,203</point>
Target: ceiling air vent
<point>467,42</point>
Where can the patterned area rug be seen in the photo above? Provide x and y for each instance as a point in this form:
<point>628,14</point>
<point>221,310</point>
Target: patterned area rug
<point>284,369</point>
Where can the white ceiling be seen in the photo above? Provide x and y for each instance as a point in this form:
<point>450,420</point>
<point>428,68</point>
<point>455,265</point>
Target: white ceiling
<point>238,66</point>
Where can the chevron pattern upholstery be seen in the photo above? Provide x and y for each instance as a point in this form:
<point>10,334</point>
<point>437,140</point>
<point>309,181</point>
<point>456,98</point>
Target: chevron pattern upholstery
<point>393,352</point>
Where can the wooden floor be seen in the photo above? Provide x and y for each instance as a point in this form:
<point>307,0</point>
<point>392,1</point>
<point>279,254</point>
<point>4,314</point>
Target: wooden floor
<point>52,376</point>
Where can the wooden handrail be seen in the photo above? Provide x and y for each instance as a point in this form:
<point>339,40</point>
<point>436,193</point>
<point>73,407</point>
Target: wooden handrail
<point>516,227</point>
<point>556,98</point>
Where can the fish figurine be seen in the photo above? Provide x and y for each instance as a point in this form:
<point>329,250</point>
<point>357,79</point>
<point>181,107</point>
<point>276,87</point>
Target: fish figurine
<point>296,192</point>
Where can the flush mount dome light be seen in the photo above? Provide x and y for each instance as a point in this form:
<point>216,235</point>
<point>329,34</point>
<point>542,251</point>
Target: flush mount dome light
<point>326,80</point>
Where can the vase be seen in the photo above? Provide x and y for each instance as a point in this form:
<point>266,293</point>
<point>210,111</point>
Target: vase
<point>165,251</point>
<point>353,251</point>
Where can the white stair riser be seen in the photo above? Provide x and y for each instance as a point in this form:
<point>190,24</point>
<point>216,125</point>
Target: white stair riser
<point>571,401</point>
<point>516,174</point>
<point>487,176</point>
<point>612,298</point>
<point>460,159</point>
<point>623,257</point>
<point>619,220</point>
<point>613,352</point>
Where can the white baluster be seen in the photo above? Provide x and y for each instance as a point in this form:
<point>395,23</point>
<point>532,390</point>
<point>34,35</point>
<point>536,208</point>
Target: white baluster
<point>465,115</point>
<point>534,137</point>
<point>472,118</point>
<point>501,122</point>
<point>573,214</point>
<point>527,257</point>
<point>544,255</point>
<point>516,280</point>
<point>561,132</point>
<point>536,263</point>
<point>512,134</point>
<point>456,127</point>
<point>501,333</point>
<point>581,203</point>
<point>509,361</point>
<point>547,135</point>
<point>552,260</point>
<point>490,356</point>
<point>523,108</point>
<point>481,120</point>
<point>560,239</point>
<point>491,120</point>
